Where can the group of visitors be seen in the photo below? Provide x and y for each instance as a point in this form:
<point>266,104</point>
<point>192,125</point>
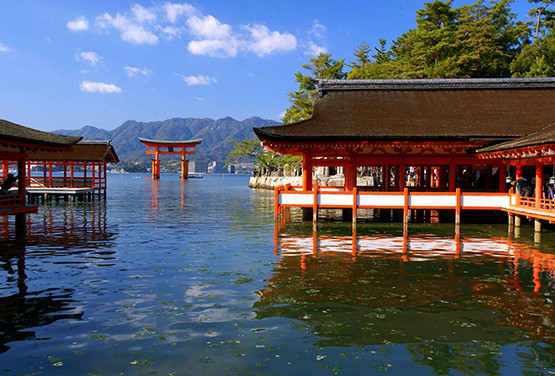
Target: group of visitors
<point>527,188</point>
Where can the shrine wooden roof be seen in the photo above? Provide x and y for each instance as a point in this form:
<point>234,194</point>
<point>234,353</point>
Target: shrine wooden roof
<point>12,134</point>
<point>543,136</point>
<point>84,151</point>
<point>406,110</point>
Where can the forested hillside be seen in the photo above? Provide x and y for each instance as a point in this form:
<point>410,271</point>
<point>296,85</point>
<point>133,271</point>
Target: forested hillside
<point>214,133</point>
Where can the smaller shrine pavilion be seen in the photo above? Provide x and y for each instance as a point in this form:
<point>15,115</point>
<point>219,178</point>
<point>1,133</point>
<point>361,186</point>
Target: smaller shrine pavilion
<point>16,142</point>
<point>533,158</point>
<point>172,148</point>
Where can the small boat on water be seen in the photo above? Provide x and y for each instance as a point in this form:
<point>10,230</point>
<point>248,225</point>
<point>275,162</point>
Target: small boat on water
<point>136,177</point>
<point>195,175</point>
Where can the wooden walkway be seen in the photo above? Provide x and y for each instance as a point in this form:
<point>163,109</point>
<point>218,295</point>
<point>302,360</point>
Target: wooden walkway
<point>337,198</point>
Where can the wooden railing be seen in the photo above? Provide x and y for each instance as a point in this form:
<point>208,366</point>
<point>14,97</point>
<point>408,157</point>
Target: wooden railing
<point>336,198</point>
<point>520,202</point>
<point>66,182</point>
<point>12,200</point>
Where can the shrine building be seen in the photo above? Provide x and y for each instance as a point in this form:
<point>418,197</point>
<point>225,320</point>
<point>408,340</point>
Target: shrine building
<point>433,142</point>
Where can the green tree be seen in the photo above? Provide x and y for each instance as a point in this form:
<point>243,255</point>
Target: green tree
<point>265,160</point>
<point>536,59</point>
<point>320,67</point>
<point>362,54</point>
<point>487,39</point>
<point>544,16</point>
<point>429,50</point>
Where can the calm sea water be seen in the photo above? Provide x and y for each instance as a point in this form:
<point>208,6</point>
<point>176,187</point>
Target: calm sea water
<point>188,278</point>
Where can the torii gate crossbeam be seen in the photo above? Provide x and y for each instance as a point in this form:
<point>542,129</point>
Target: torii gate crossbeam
<point>170,147</point>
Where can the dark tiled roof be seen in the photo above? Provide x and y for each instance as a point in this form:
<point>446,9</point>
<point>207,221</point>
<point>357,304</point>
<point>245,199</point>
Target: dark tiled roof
<point>543,136</point>
<point>84,151</point>
<point>18,133</point>
<point>454,109</point>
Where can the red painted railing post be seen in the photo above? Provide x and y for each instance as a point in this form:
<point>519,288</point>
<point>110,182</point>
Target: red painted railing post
<point>315,204</point>
<point>458,207</point>
<point>355,204</point>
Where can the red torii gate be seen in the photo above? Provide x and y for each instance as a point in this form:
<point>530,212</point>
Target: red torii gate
<point>170,147</point>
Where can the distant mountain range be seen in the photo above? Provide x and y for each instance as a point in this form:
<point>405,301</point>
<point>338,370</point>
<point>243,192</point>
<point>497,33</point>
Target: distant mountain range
<point>214,134</point>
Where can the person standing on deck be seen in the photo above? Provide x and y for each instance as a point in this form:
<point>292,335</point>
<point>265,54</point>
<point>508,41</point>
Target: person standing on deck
<point>8,184</point>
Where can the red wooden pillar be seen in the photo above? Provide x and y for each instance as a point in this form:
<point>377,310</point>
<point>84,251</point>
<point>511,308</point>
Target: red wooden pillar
<point>22,178</point>
<point>386,176</point>
<point>84,175</point>
<point>71,174</point>
<point>429,180</point>
<point>402,175</point>
<point>519,172</point>
<point>489,176</point>
<point>156,164</point>
<point>307,172</point>
<point>5,168</point>
<point>452,176</point>
<point>93,173</point>
<point>105,176</point>
<point>441,181</point>
<point>350,174</point>
<point>502,178</point>
<point>539,185</point>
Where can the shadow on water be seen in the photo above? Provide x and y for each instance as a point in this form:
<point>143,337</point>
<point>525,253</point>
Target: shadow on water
<point>73,233</point>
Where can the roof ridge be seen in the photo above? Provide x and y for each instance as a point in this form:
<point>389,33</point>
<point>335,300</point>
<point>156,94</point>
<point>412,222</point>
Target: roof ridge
<point>437,84</point>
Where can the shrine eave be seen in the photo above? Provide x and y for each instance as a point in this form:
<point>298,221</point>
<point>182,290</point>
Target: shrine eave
<point>15,135</point>
<point>154,143</point>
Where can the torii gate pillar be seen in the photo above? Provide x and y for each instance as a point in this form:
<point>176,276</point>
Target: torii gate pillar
<point>170,147</point>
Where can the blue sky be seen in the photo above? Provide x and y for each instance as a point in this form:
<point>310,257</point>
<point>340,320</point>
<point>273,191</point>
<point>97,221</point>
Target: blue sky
<point>67,64</point>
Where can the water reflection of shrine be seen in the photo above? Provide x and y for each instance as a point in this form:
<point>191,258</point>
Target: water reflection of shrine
<point>368,290</point>
<point>71,235</point>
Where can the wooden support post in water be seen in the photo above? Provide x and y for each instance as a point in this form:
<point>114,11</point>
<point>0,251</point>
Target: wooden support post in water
<point>518,220</point>
<point>537,225</point>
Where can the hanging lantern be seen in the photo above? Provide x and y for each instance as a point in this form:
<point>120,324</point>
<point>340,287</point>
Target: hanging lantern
<point>551,180</point>
<point>508,180</point>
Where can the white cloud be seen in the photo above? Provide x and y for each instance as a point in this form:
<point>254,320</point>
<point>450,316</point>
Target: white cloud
<point>312,49</point>
<point>130,31</point>
<point>99,87</point>
<point>208,36</point>
<point>208,27</point>
<point>317,29</point>
<point>266,42</point>
<point>132,71</point>
<point>316,42</point>
<point>170,32</point>
<point>214,47</point>
<point>91,57</point>
<point>142,14</point>
<point>199,99</point>
<point>199,80</point>
<point>175,10</point>
<point>3,48</point>
<point>78,24</point>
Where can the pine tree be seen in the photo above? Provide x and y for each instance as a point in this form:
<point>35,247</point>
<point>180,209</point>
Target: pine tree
<point>320,67</point>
